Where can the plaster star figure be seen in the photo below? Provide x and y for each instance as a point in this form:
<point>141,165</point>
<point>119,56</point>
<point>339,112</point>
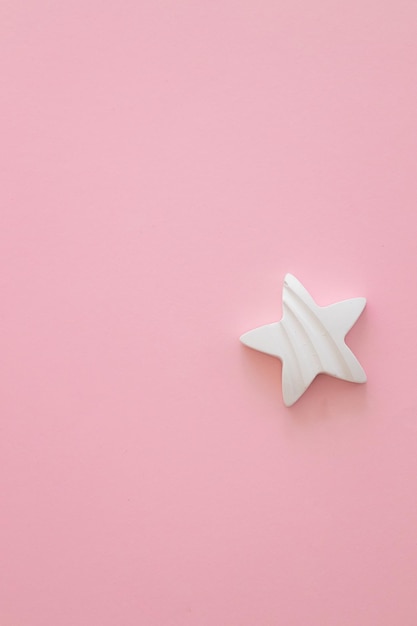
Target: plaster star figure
<point>309,340</point>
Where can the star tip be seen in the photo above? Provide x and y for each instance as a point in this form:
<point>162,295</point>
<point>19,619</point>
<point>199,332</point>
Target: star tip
<point>288,276</point>
<point>361,378</point>
<point>288,405</point>
<point>242,339</point>
<point>288,402</point>
<point>290,280</point>
<point>363,303</point>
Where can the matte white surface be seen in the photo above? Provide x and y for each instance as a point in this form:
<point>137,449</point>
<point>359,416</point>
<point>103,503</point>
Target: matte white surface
<point>309,340</point>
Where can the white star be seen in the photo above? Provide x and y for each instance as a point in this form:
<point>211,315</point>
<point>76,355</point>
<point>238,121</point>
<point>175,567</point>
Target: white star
<point>309,340</point>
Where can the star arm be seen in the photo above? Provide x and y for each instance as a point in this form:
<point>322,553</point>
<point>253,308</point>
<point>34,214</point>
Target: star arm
<point>353,370</point>
<point>266,339</point>
<point>341,316</point>
<point>294,383</point>
<point>339,319</point>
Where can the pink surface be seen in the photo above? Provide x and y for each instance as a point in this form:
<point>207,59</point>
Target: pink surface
<point>164,164</point>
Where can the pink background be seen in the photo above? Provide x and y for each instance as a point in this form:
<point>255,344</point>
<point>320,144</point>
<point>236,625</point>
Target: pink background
<point>163,165</point>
